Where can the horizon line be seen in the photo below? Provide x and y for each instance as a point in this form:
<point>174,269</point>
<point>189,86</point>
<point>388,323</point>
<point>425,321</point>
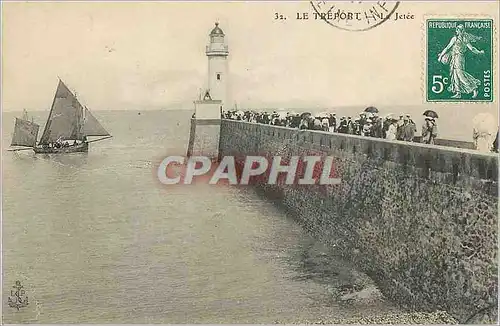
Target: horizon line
<point>94,110</point>
<point>269,106</point>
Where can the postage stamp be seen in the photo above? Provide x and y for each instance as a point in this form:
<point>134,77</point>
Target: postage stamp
<point>459,63</point>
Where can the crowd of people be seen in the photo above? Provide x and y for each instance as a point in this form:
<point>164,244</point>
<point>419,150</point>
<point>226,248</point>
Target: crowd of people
<point>367,123</point>
<point>61,143</point>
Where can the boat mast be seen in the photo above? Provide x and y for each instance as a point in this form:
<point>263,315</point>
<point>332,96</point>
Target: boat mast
<point>51,108</point>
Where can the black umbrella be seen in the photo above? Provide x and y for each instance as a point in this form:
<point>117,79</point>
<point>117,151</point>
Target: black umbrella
<point>305,114</point>
<point>371,109</point>
<point>431,114</point>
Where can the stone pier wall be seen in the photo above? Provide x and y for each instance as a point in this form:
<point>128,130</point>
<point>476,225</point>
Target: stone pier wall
<point>421,220</point>
<point>204,138</point>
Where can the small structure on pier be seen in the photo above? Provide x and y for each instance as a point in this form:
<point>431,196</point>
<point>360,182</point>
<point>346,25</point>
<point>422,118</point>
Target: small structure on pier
<point>205,128</point>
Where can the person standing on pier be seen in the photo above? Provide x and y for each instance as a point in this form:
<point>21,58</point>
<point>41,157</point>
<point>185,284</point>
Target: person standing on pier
<point>325,124</point>
<point>483,140</point>
<point>367,128</point>
<point>350,128</point>
<point>332,121</point>
<point>392,130</point>
<point>495,144</point>
<point>343,126</point>
<point>408,129</point>
<point>400,126</point>
<point>377,129</point>
<point>483,131</point>
<point>429,131</point>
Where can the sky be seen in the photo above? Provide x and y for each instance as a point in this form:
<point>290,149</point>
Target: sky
<point>125,56</point>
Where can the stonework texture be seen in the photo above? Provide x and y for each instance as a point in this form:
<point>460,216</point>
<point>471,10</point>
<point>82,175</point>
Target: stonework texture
<point>204,139</point>
<point>421,220</point>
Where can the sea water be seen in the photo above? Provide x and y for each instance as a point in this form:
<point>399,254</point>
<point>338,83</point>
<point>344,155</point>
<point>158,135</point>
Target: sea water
<point>95,238</point>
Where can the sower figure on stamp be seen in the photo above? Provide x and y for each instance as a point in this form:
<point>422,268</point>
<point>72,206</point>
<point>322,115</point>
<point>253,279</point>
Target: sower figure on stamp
<point>460,80</point>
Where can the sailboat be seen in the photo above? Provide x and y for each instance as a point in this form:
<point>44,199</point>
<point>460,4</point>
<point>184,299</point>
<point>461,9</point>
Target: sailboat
<point>67,128</point>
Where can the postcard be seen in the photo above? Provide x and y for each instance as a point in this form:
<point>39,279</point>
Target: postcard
<point>331,162</point>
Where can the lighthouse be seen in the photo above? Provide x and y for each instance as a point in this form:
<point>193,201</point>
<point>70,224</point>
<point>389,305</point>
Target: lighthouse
<point>217,52</point>
<point>205,124</point>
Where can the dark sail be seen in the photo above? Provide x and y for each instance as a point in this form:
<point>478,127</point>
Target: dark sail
<point>92,127</point>
<point>25,133</point>
<point>65,118</point>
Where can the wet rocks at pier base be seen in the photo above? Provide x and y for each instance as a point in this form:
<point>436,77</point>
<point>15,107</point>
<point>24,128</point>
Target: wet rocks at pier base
<point>438,317</point>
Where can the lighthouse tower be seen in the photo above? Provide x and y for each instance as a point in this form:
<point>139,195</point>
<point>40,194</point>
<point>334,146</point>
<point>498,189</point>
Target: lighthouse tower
<point>205,124</point>
<point>217,52</point>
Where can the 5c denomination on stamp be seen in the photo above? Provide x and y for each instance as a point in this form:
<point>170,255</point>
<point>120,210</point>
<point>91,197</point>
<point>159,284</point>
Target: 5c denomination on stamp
<point>459,60</point>
<point>354,15</point>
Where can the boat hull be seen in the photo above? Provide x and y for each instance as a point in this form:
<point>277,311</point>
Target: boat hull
<point>80,148</point>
